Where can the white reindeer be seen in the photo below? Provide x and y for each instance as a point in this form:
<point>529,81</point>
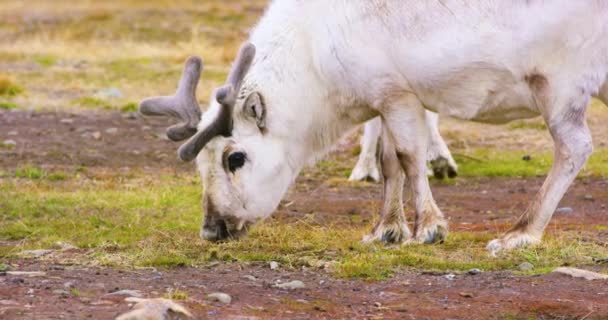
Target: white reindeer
<point>324,66</point>
<point>438,154</point>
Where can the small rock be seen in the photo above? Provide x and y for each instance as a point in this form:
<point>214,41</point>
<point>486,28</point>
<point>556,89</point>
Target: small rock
<point>130,115</point>
<point>273,265</point>
<point>67,121</point>
<point>126,293</point>
<point>449,277</point>
<point>8,303</point>
<point>250,277</point>
<point>526,266</point>
<point>474,271</point>
<point>113,93</point>
<point>35,253</point>
<point>377,304</point>
<point>564,210</point>
<point>580,273</point>
<point>69,285</point>
<point>61,292</point>
<point>219,296</point>
<point>146,128</point>
<point>12,133</point>
<point>292,285</point>
<point>10,142</point>
<point>96,135</point>
<point>527,157</point>
<point>111,130</point>
<point>466,294</point>
<point>64,246</point>
<point>589,197</point>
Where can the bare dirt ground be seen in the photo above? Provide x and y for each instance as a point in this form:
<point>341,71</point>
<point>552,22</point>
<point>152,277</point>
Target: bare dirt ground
<point>71,140</point>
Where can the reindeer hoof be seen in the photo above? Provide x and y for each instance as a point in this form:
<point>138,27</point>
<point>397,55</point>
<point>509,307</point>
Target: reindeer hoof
<point>510,241</point>
<point>389,235</point>
<point>442,168</point>
<point>435,232</point>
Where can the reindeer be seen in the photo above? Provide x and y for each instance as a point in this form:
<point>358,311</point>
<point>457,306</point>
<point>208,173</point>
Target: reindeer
<point>312,70</point>
<point>438,154</point>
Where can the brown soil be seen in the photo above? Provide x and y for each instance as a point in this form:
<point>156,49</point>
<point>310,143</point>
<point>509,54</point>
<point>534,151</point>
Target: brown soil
<point>49,140</point>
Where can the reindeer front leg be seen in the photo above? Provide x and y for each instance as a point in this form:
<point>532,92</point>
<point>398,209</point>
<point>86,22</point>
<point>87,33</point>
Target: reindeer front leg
<point>406,126</point>
<point>573,147</point>
<point>392,227</point>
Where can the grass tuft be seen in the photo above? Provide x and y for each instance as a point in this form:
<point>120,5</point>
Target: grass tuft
<point>7,105</point>
<point>8,87</point>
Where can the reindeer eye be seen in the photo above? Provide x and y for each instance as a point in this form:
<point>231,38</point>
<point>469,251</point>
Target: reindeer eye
<point>236,161</point>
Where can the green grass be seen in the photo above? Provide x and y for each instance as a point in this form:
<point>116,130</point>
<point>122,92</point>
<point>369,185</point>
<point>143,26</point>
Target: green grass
<point>7,105</point>
<point>155,222</point>
<point>29,172</point>
<point>45,60</point>
<point>497,163</point>
<point>8,87</point>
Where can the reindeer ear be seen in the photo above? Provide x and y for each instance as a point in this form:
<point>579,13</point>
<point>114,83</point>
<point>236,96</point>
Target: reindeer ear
<point>254,107</point>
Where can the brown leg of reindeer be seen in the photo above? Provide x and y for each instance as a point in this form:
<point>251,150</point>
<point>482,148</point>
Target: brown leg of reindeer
<point>392,226</point>
<point>405,119</point>
<point>573,147</point>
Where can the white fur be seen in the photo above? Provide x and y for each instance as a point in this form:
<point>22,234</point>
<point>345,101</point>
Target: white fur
<point>324,66</point>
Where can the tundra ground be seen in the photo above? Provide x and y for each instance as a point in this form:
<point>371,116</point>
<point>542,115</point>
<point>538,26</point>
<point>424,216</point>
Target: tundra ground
<point>78,166</point>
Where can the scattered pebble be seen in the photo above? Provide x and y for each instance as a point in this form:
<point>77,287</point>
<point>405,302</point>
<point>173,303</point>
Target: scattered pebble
<point>113,93</point>
<point>128,293</point>
<point>219,296</point>
<point>8,303</point>
<point>273,265</point>
<point>67,121</point>
<point>292,285</point>
<point>377,304</point>
<point>64,246</point>
<point>564,210</point>
<point>61,292</point>
<point>250,277</point>
<point>69,285</point>
<point>580,273</point>
<point>111,130</point>
<point>35,253</point>
<point>12,133</point>
<point>466,294</point>
<point>526,266</point>
<point>449,277</point>
<point>527,157</point>
<point>474,271</point>
<point>589,197</point>
<point>96,135</point>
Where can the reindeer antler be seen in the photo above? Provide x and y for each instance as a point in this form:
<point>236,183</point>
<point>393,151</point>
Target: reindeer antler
<point>183,105</point>
<point>226,96</point>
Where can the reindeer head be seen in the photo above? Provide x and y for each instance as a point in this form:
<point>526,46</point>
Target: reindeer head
<point>244,169</point>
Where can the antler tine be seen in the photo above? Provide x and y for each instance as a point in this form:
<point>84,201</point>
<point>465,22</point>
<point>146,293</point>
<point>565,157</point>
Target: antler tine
<point>227,94</point>
<point>183,105</point>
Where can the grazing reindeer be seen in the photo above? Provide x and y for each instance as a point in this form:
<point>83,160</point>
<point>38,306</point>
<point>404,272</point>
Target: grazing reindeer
<point>324,66</point>
<point>438,153</point>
